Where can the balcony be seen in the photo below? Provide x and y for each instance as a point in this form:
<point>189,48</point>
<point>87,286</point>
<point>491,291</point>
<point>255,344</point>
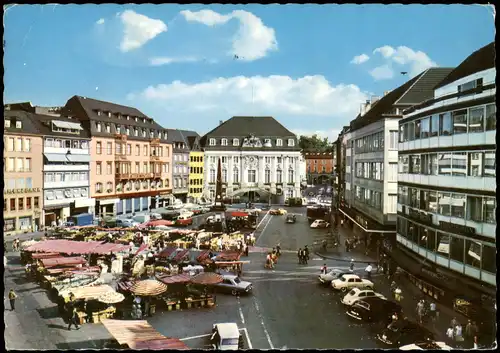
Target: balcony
<point>121,137</point>
<point>157,175</point>
<point>133,176</point>
<point>120,157</point>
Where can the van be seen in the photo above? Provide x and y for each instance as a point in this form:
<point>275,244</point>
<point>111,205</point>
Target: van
<point>226,336</point>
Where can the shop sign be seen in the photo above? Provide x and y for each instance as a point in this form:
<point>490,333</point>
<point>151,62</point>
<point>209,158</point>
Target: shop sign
<point>456,228</point>
<point>21,191</point>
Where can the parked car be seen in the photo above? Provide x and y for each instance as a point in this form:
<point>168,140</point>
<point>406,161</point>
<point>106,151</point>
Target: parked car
<point>427,345</point>
<point>183,220</point>
<point>234,285</point>
<point>356,294</point>
<point>346,282</point>
<point>226,336</point>
<point>319,223</point>
<point>403,332</point>
<point>327,278</point>
<point>141,218</point>
<point>126,223</point>
<point>374,309</point>
<point>187,213</point>
<point>277,212</point>
<point>155,216</point>
<point>291,218</point>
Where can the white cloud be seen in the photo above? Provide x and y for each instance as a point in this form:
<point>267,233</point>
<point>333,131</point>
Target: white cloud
<point>383,72</point>
<point>165,60</point>
<point>332,134</point>
<point>138,29</point>
<point>416,61</point>
<point>252,41</point>
<point>359,59</point>
<point>312,96</point>
<point>100,21</point>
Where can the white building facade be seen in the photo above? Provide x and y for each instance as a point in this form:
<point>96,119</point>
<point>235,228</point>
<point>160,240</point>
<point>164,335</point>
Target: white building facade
<point>66,170</point>
<point>269,165</point>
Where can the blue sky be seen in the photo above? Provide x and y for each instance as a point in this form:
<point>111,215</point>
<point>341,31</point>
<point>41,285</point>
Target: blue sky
<point>308,66</point>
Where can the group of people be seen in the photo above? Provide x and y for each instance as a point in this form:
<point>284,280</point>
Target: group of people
<point>15,244</point>
<point>303,255</point>
<point>456,336</point>
<point>272,257</point>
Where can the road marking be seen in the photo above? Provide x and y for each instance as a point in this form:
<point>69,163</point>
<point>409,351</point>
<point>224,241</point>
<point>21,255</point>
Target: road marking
<point>250,346</point>
<point>194,337</point>
<point>262,323</point>
<point>262,220</point>
<point>263,230</point>
<point>241,312</point>
<point>317,259</point>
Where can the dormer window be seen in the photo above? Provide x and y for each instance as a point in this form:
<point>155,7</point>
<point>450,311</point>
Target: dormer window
<point>152,134</point>
<point>128,117</point>
<point>212,142</point>
<point>136,132</point>
<point>19,124</point>
<point>7,123</point>
<point>279,142</point>
<point>127,130</point>
<point>98,113</point>
<point>118,128</point>
<point>136,119</point>
<point>109,114</point>
<point>267,143</point>
<point>159,135</point>
<point>224,142</point>
<point>165,135</point>
<point>98,126</point>
<point>108,128</point>
<point>291,142</point>
<point>236,142</point>
<point>144,120</point>
<point>118,115</point>
<point>143,133</point>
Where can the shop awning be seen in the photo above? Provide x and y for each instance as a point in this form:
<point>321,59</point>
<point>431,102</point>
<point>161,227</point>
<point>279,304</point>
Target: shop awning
<point>56,157</point>
<point>239,214</point>
<point>228,256</point>
<point>61,124</point>
<point>88,293</point>
<point>62,261</point>
<point>84,158</point>
<point>183,278</point>
<point>139,334</point>
<point>77,247</point>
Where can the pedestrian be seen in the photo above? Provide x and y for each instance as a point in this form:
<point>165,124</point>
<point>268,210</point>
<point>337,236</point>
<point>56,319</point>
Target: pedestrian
<point>351,266</point>
<point>324,269</point>
<point>433,312</point>
<point>454,322</point>
<point>73,319</point>
<point>306,254</point>
<point>449,335</point>
<point>458,334</point>
<point>420,311</point>
<point>12,299</point>
<point>398,294</point>
<point>368,271</point>
<point>246,250</point>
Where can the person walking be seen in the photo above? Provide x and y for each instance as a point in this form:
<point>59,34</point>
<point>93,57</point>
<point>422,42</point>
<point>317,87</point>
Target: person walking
<point>324,269</point>
<point>433,312</point>
<point>306,254</point>
<point>351,266</point>
<point>458,335</point>
<point>12,299</point>
<point>449,335</point>
<point>398,294</point>
<point>420,311</point>
<point>368,271</point>
<point>73,320</point>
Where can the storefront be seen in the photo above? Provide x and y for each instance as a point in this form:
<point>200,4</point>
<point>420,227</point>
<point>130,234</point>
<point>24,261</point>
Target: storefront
<point>9,224</point>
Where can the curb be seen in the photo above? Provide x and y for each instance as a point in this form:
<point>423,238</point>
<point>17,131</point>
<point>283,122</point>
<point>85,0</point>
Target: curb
<point>341,259</point>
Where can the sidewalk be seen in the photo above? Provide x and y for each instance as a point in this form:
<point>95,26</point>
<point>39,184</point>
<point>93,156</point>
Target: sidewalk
<point>411,294</point>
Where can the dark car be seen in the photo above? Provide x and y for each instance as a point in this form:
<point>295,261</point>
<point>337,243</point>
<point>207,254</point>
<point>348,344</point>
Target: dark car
<point>374,309</point>
<point>234,285</point>
<point>291,218</point>
<point>403,332</point>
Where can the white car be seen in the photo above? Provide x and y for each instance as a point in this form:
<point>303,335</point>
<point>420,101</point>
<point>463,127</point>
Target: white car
<point>319,223</point>
<point>327,278</point>
<point>225,336</point>
<point>425,346</point>
<point>346,282</point>
<point>186,213</point>
<point>356,294</point>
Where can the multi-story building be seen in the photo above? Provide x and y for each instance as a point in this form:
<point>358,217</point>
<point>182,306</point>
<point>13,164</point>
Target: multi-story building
<point>446,232</point>
<point>131,157</point>
<point>260,159</point>
<point>196,164</point>
<point>371,173</point>
<point>23,180</point>
<point>320,166</point>
<point>180,160</point>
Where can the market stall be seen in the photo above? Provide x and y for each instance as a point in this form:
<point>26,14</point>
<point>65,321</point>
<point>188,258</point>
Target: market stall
<point>205,280</point>
<point>69,247</point>
<point>139,334</point>
<point>176,290</point>
<point>148,289</point>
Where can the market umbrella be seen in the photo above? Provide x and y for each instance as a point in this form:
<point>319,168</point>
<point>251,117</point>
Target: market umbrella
<point>148,287</point>
<point>207,278</point>
<point>111,298</point>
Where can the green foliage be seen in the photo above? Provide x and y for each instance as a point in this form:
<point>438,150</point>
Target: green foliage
<point>314,143</point>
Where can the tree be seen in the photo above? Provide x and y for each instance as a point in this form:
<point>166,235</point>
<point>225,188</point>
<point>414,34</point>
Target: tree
<point>314,143</point>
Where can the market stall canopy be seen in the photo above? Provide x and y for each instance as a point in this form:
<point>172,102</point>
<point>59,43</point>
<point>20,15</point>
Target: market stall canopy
<point>125,286</point>
<point>167,252</point>
<point>207,278</point>
<point>159,222</point>
<point>148,287</point>
<point>239,214</point>
<point>180,255</point>
<point>77,247</point>
<point>111,298</point>
<point>141,248</point>
<point>176,279</point>
<point>62,261</point>
<point>88,293</point>
<point>45,255</point>
<point>228,256</point>
<point>138,334</point>
<point>204,257</point>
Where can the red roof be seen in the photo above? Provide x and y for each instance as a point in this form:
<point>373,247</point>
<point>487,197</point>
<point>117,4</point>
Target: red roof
<point>180,255</point>
<point>160,344</point>
<point>182,278</point>
<point>228,256</point>
<point>166,252</point>
<point>62,261</point>
<point>239,214</point>
<point>203,256</point>
<point>76,247</point>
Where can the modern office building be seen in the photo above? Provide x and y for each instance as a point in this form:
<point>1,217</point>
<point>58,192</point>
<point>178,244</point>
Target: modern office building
<point>371,171</point>
<point>23,178</point>
<point>446,232</point>
<point>260,159</point>
<point>131,157</point>
<point>319,167</point>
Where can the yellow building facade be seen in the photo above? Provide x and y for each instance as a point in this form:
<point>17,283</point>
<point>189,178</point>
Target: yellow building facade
<point>196,162</point>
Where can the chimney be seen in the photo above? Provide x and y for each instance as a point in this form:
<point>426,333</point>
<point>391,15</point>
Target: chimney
<point>374,99</point>
<point>220,122</point>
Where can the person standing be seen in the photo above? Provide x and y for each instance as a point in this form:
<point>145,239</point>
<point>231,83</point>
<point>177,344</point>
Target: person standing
<point>299,255</point>
<point>351,266</point>
<point>12,299</point>
<point>306,254</point>
<point>368,271</point>
<point>324,269</point>
<point>458,334</point>
<point>346,243</point>
<point>433,312</point>
<point>449,335</point>
<point>420,311</point>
